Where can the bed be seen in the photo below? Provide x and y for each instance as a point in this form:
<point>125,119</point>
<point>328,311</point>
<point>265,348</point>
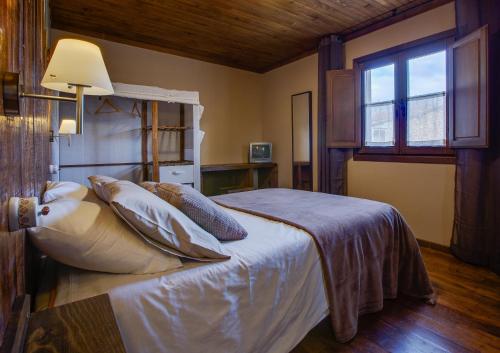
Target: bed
<point>307,256</point>
<point>266,298</point>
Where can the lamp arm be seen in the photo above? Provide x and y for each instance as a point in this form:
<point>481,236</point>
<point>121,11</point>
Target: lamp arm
<point>78,99</point>
<point>44,96</point>
<point>12,92</point>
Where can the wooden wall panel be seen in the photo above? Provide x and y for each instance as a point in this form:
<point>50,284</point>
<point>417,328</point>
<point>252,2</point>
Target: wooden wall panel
<point>468,118</point>
<point>343,124</point>
<point>24,143</point>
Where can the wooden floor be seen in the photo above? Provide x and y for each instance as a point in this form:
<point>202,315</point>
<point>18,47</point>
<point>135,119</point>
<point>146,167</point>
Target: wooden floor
<point>465,319</point>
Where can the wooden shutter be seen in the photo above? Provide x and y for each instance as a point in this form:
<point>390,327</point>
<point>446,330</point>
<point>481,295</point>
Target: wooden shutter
<point>468,116</point>
<point>343,124</point>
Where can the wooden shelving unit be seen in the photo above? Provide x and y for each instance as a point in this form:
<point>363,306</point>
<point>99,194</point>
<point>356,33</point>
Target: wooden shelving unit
<point>151,168</point>
<point>169,128</point>
<point>155,130</point>
<point>151,133</point>
<point>168,163</point>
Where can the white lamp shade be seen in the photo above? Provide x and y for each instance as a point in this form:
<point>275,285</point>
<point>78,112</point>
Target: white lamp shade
<point>68,127</point>
<point>77,62</point>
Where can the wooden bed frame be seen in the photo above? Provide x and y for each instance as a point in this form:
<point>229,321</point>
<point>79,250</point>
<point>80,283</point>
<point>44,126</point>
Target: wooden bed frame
<point>24,160</point>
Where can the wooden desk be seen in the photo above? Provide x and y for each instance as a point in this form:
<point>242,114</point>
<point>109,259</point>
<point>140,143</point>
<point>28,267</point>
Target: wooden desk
<point>217,179</point>
<point>85,326</point>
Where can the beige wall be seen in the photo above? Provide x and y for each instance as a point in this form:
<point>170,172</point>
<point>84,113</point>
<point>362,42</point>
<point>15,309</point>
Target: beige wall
<point>422,192</point>
<point>232,97</point>
<point>279,85</point>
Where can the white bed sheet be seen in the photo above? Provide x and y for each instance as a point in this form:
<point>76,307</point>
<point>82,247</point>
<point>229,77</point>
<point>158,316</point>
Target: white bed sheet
<point>264,299</point>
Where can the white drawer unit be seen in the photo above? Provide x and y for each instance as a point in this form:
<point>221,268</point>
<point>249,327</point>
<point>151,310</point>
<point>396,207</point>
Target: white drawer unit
<point>183,174</point>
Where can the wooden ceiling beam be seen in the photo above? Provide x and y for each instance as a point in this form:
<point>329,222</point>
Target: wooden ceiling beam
<point>393,17</point>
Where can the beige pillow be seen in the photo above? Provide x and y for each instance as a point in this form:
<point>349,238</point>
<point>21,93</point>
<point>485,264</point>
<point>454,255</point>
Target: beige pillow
<point>199,208</point>
<point>90,236</point>
<point>64,190</point>
<point>161,223</point>
<point>98,182</point>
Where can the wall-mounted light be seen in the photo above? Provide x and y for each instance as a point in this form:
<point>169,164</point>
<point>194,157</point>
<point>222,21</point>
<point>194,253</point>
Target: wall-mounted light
<point>76,67</point>
<point>67,128</point>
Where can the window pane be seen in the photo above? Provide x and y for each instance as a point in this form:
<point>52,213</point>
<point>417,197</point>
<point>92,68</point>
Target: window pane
<point>379,84</point>
<point>379,125</point>
<point>426,121</point>
<point>426,100</point>
<point>379,106</point>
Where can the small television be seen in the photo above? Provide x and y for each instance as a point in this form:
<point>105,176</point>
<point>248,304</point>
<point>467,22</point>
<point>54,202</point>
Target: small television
<point>261,152</point>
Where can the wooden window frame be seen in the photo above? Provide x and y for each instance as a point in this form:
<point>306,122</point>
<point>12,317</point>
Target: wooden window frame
<point>399,55</point>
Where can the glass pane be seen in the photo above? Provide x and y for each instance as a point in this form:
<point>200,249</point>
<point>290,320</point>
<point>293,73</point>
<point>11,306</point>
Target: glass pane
<point>427,121</point>
<point>379,106</point>
<point>426,100</point>
<point>379,84</point>
<point>379,125</point>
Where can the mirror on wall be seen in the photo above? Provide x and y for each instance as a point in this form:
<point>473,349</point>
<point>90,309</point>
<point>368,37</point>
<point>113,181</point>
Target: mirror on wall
<point>302,141</point>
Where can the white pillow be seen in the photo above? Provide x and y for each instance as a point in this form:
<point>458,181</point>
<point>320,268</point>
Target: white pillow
<point>90,236</point>
<point>98,182</point>
<point>64,190</point>
<point>161,223</point>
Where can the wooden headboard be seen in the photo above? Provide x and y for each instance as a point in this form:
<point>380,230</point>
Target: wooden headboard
<point>24,141</point>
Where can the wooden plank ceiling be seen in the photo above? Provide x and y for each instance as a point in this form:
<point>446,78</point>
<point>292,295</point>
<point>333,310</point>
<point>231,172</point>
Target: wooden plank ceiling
<point>255,35</point>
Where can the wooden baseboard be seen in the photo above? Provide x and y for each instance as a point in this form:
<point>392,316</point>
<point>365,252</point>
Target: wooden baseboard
<point>431,245</point>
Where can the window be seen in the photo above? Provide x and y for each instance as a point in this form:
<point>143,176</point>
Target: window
<point>403,99</point>
<point>414,102</point>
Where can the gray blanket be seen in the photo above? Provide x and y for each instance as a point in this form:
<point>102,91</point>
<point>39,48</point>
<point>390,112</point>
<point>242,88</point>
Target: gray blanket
<point>368,251</point>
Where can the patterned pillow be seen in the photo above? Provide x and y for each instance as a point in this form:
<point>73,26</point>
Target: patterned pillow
<point>203,211</point>
<point>161,224</point>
